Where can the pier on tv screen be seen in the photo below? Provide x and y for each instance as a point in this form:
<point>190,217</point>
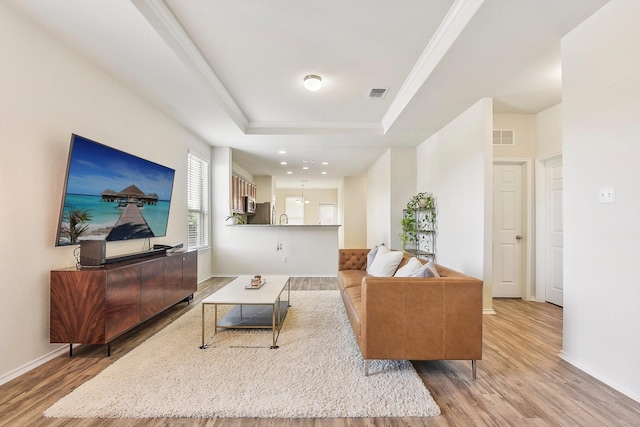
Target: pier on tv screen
<point>112,195</point>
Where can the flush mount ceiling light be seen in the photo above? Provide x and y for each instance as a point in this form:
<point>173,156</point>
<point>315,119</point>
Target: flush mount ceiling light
<point>312,82</point>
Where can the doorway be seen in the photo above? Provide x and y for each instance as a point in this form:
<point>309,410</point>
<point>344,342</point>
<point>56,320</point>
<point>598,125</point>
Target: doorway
<point>511,228</point>
<point>550,226</point>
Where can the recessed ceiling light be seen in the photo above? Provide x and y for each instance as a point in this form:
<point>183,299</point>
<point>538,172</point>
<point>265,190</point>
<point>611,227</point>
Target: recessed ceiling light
<point>282,152</point>
<point>289,173</point>
<point>323,173</point>
<point>312,82</point>
<point>325,163</point>
<point>283,163</point>
<point>305,167</point>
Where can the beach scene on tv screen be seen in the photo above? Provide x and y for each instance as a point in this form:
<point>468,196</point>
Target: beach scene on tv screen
<point>112,195</point>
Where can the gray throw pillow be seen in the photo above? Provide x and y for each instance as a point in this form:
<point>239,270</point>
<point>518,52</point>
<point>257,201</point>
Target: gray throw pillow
<point>372,255</point>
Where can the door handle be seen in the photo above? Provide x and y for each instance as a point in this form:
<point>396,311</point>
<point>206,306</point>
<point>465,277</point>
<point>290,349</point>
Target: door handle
<point>519,237</point>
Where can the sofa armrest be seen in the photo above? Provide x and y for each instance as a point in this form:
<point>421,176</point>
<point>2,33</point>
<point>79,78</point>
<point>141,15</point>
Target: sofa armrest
<point>352,259</point>
<point>421,319</point>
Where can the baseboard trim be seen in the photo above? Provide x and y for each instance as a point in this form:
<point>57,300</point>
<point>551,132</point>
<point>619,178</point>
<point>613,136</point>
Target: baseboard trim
<point>488,311</point>
<point>600,377</point>
<point>11,375</point>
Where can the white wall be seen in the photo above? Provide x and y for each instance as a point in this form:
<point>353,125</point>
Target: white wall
<point>403,187</point>
<point>549,132</point>
<point>48,93</point>
<point>601,102</point>
<point>458,171</point>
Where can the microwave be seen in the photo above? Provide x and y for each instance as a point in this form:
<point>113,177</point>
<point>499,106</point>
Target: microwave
<point>249,204</point>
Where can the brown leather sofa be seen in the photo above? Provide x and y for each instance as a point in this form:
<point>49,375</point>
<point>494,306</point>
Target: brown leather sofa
<point>410,318</point>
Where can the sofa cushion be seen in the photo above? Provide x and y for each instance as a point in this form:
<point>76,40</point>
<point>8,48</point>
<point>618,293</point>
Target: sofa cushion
<point>350,278</point>
<point>385,263</point>
<point>409,268</point>
<point>353,306</point>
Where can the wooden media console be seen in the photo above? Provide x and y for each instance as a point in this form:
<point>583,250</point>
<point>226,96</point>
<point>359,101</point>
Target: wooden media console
<point>95,305</point>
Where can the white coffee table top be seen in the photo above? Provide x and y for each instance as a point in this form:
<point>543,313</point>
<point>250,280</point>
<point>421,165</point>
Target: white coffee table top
<point>235,292</point>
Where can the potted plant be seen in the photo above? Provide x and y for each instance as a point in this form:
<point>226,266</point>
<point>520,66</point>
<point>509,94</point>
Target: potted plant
<point>419,215</point>
<point>234,219</point>
<point>421,200</point>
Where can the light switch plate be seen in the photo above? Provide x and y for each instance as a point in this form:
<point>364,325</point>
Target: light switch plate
<point>607,195</point>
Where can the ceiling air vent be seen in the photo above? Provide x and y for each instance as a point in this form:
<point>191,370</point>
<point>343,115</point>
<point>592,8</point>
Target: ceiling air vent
<point>377,93</point>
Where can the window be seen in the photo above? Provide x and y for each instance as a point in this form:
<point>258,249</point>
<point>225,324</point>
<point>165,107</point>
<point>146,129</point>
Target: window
<point>327,212</point>
<point>294,208</point>
<point>198,201</point>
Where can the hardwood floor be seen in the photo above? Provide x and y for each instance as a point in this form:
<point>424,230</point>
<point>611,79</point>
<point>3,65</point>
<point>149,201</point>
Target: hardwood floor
<point>521,380</point>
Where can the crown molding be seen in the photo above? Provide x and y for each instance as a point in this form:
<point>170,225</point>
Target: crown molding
<point>313,128</point>
<point>162,19</point>
<point>158,14</point>
<point>456,20</point>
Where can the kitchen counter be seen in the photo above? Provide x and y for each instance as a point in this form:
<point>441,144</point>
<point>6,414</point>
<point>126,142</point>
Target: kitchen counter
<point>284,225</point>
<point>293,250</point>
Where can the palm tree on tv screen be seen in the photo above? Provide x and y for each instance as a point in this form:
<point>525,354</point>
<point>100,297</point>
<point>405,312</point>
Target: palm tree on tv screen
<point>77,220</point>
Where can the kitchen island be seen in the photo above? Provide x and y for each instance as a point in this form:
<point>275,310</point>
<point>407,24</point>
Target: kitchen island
<point>293,250</point>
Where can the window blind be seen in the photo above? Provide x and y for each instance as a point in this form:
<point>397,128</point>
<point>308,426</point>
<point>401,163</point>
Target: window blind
<point>198,201</point>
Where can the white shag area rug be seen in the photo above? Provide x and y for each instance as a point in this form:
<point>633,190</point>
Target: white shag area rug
<point>316,373</point>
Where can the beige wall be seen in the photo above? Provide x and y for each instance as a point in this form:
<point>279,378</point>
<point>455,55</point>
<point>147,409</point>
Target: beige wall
<point>265,188</point>
<point>48,93</point>
<point>524,127</point>
<point>355,212</point>
<point>314,196</point>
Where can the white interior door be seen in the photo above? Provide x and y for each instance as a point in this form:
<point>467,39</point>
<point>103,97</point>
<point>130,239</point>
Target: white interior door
<point>508,232</point>
<point>554,232</point>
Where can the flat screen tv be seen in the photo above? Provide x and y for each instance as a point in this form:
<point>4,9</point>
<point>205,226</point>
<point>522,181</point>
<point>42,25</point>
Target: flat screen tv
<point>112,195</point>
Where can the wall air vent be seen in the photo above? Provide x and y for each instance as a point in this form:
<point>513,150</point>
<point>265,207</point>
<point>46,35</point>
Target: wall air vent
<point>377,93</point>
<point>503,137</point>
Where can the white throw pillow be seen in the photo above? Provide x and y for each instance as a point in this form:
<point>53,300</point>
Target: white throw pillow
<point>385,263</point>
<point>409,268</point>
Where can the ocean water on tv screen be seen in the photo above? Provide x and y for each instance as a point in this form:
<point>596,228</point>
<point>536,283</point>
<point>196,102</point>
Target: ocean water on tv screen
<point>105,214</point>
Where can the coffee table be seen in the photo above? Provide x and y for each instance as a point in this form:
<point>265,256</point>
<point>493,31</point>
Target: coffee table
<point>253,308</point>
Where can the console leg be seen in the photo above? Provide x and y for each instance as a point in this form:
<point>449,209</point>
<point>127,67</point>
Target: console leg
<point>70,350</point>
<point>473,368</point>
<point>108,349</point>
<point>366,367</point>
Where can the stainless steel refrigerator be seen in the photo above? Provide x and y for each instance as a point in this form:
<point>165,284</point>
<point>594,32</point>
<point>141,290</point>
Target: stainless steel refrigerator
<point>263,214</point>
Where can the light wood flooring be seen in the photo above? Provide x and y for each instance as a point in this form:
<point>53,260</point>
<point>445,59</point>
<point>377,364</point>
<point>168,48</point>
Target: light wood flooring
<point>521,380</point>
